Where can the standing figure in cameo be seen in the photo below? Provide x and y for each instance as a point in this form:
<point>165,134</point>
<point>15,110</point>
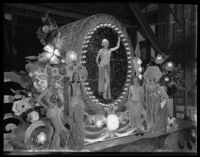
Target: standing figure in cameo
<point>104,55</point>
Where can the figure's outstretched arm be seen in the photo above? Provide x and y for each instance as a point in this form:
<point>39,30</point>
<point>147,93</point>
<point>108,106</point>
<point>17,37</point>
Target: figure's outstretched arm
<point>164,96</point>
<point>118,44</point>
<point>163,92</point>
<point>40,97</point>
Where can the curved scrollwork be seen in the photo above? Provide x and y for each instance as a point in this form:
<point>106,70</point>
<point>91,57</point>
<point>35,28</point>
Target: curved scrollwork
<point>36,132</point>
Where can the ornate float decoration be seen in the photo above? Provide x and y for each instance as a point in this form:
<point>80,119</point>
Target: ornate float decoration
<point>106,25</point>
<point>69,49</point>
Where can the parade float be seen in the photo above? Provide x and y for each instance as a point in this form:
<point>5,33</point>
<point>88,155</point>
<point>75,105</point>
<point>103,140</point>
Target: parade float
<point>68,51</point>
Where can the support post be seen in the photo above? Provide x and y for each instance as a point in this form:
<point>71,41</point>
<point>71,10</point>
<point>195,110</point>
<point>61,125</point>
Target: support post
<point>146,27</point>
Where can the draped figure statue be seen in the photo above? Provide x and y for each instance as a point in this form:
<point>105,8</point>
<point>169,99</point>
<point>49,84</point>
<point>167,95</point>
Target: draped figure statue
<point>54,111</point>
<point>135,105</point>
<point>104,68</point>
<point>155,101</point>
<point>76,114</point>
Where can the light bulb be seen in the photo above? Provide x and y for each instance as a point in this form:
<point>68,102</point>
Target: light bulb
<point>159,57</point>
<point>169,64</point>
<point>73,56</point>
<point>139,61</point>
<point>140,76</point>
<point>99,123</point>
<point>140,69</point>
<point>166,79</point>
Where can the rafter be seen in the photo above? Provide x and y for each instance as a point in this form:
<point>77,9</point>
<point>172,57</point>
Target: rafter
<point>42,10</point>
<point>146,27</point>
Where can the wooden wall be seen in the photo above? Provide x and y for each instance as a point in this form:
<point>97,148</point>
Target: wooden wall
<point>183,43</point>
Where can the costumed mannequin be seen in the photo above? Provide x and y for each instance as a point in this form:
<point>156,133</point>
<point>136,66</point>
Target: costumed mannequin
<point>76,114</point>
<point>155,99</point>
<point>135,104</point>
<point>104,68</point>
<point>54,109</point>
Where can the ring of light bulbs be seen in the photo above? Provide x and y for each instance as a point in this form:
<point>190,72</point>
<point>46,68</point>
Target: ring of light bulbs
<point>83,61</point>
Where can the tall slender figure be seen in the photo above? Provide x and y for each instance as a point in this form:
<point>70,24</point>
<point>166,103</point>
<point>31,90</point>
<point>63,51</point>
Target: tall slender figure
<point>104,68</point>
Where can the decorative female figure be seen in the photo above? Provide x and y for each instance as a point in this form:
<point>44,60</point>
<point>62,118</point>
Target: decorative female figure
<point>156,99</point>
<point>104,68</point>
<point>54,109</point>
<point>135,104</point>
<point>76,115</point>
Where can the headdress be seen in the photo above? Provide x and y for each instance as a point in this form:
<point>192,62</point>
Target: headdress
<point>152,71</point>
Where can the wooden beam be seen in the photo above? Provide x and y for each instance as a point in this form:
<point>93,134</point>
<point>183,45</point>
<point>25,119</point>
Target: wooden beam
<point>146,27</point>
<point>176,19</point>
<point>67,14</point>
<point>34,15</point>
<point>44,10</point>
